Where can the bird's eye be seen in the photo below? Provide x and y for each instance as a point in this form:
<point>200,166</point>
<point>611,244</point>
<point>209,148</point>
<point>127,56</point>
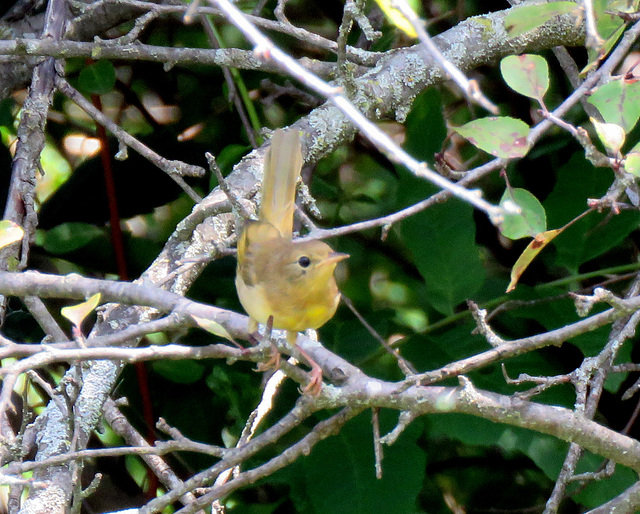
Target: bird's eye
<point>304,261</point>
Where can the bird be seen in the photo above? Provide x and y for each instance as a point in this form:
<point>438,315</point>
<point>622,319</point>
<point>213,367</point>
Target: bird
<point>282,283</point>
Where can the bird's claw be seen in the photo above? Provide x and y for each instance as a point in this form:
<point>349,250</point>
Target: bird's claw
<point>273,362</point>
<point>314,386</point>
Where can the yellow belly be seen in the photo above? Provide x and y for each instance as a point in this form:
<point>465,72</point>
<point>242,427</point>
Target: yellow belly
<point>288,316</point>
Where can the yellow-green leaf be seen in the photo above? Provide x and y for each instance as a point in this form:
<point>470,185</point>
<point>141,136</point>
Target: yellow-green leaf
<point>76,314</point>
<point>500,136</point>
<point>611,135</point>
<point>632,163</point>
<point>530,252</point>
<point>396,17</point>
<point>213,327</point>
<point>10,233</point>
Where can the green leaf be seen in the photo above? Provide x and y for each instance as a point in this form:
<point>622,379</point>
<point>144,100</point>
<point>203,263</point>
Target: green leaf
<point>546,451</point>
<point>180,372</point>
<point>442,242</point>
<point>425,127</point>
<point>500,136</point>
<point>618,102</point>
<point>230,155</point>
<point>97,78</point>
<point>607,20</point>
<point>442,238</point>
<point>595,234</point>
<point>339,473</point>
<point>632,161</point>
<point>528,17</point>
<point>68,237</point>
<point>6,112</point>
<point>432,352</point>
<point>226,159</point>
<point>526,74</point>
<point>531,219</point>
<point>136,469</point>
<point>10,233</point>
<point>553,315</point>
<point>367,345</point>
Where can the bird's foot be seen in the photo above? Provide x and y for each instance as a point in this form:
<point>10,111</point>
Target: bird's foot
<point>273,362</point>
<point>314,386</point>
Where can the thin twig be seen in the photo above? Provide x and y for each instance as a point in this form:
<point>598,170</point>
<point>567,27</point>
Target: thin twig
<point>47,322</point>
<point>254,421</point>
<point>303,408</point>
<point>229,77</point>
<point>321,431</point>
<point>175,169</point>
<point>377,443</point>
<point>594,41</point>
<point>122,427</point>
<point>357,55</point>
<point>407,368</point>
<point>233,198</point>
<point>233,57</point>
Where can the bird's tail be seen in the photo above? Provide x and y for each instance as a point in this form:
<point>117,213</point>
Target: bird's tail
<point>282,166</point>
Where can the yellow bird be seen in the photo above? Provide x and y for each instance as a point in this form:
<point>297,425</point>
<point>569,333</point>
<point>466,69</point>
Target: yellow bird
<point>281,283</point>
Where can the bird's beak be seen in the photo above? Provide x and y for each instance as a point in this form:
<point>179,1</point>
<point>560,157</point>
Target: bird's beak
<point>336,257</point>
